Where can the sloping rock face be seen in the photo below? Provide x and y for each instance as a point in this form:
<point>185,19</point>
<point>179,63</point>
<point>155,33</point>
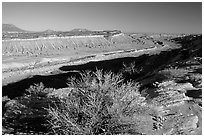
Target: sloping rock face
<point>122,38</point>
<point>179,95</point>
<point>49,46</point>
<point>53,45</point>
<point>177,112</point>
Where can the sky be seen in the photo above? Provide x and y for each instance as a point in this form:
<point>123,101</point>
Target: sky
<point>127,17</point>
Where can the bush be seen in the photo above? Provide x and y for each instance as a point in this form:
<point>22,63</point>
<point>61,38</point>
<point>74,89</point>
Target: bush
<point>27,113</point>
<point>131,69</point>
<point>100,103</point>
<point>38,90</point>
<point>174,73</point>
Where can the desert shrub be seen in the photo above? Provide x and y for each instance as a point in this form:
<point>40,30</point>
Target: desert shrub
<point>96,80</point>
<point>131,68</point>
<point>27,113</point>
<point>38,90</point>
<point>99,103</point>
<point>174,73</point>
<point>5,99</point>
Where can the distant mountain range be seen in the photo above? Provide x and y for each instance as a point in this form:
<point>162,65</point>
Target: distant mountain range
<point>48,31</point>
<point>10,28</point>
<point>79,30</point>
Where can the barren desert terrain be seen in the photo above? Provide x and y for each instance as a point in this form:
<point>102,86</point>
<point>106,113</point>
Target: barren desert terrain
<point>147,83</point>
